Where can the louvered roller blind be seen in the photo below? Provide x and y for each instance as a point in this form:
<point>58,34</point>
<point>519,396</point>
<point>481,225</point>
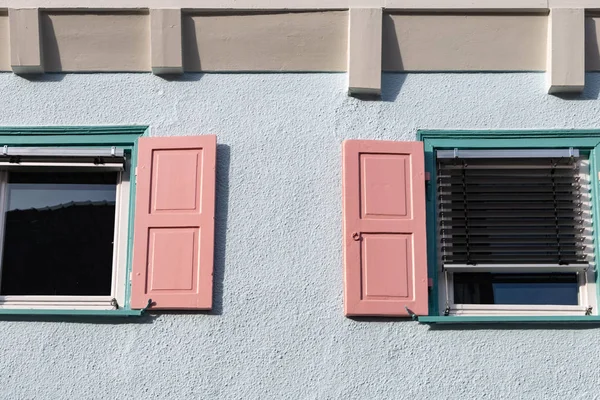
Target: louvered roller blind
<point>107,158</point>
<point>532,210</point>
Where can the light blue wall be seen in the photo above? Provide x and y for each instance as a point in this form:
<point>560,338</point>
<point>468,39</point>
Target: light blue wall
<point>279,332</point>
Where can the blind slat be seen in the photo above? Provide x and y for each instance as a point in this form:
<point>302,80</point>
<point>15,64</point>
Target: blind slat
<point>512,211</point>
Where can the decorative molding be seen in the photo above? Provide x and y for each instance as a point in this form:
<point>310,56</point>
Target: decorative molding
<point>253,36</point>
<point>412,5</point>
<point>565,65</point>
<point>306,41</point>
<point>165,41</point>
<point>25,46</point>
<point>364,51</point>
<point>96,42</point>
<point>459,42</point>
<point>4,43</point>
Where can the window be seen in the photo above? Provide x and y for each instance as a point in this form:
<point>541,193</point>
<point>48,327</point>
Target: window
<point>514,232</point>
<point>99,221</point>
<point>480,224</point>
<point>63,214</point>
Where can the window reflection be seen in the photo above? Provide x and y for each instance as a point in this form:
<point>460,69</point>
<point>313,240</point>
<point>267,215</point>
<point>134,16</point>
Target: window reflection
<point>59,232</point>
<point>535,289</point>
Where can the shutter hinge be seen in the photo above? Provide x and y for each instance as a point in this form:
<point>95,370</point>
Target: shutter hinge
<point>427,185</point>
<point>135,174</point>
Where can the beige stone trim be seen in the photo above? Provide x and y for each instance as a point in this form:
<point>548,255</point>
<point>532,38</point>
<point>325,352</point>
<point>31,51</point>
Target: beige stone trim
<point>565,67</point>
<point>4,40</point>
<point>518,5</point>
<point>466,5</point>
<point>308,41</point>
<point>165,39</point>
<point>96,42</point>
<point>585,4</point>
<point>304,41</point>
<point>364,51</point>
<point>25,48</point>
<point>458,42</point>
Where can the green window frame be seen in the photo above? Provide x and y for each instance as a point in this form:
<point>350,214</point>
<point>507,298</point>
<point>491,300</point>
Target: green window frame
<point>121,137</point>
<point>433,140</point>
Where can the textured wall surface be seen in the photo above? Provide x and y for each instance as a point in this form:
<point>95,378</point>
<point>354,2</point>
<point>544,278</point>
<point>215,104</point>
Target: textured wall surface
<point>278,330</point>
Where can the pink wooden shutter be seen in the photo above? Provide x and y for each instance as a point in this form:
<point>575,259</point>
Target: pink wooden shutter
<point>385,251</point>
<point>174,223</point>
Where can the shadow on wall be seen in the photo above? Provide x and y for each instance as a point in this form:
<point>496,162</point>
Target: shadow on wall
<point>221,212</point>
<point>50,53</point>
<point>191,55</point>
<point>590,92</point>
<point>391,84</point>
<point>391,60</point>
<point>592,53</point>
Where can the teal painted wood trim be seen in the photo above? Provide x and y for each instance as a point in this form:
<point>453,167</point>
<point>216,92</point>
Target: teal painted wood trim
<point>136,130</point>
<point>125,136</point>
<point>585,140</point>
<point>132,191</point>
<point>521,142</point>
<point>423,134</point>
<point>431,221</point>
<point>88,313</point>
<point>590,319</point>
<point>595,184</point>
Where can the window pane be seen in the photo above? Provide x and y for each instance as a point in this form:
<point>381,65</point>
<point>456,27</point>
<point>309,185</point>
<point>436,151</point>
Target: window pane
<point>59,233</point>
<point>536,289</point>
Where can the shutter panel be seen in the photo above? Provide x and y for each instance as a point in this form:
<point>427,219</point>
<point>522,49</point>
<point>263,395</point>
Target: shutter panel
<point>174,223</point>
<point>385,251</point>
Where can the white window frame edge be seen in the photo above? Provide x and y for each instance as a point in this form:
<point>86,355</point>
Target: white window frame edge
<point>119,265</point>
<point>587,296</point>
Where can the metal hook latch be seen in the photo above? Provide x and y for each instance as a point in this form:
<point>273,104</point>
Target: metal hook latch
<point>147,305</point>
<point>413,316</point>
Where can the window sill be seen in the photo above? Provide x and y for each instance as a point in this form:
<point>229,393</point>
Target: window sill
<point>531,319</point>
<point>71,313</point>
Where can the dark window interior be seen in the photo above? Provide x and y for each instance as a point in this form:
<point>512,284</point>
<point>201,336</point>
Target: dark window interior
<point>59,233</point>
<point>537,289</point>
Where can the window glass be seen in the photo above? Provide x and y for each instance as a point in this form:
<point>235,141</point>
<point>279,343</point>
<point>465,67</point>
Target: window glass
<point>59,232</point>
<point>536,289</point>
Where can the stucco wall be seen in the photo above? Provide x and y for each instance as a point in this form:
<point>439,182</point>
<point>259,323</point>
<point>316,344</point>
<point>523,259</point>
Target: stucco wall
<point>278,330</point>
